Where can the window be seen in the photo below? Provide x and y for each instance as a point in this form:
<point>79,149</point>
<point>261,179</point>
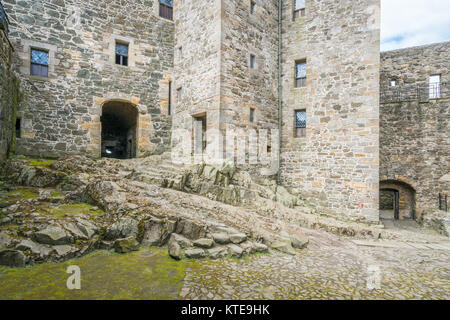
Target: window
<point>169,108</point>
<point>166,9</point>
<point>122,54</point>
<point>252,61</point>
<point>252,115</point>
<point>179,94</point>
<point>39,63</point>
<point>393,83</point>
<point>300,74</point>
<point>299,8</point>
<point>252,7</point>
<point>180,53</point>
<point>435,86</point>
<point>18,128</point>
<point>300,123</point>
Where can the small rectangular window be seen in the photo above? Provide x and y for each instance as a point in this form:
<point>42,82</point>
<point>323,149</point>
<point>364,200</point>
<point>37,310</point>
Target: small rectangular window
<point>252,115</point>
<point>122,54</point>
<point>300,123</point>
<point>180,53</point>
<point>435,86</point>
<point>166,9</point>
<point>252,61</point>
<point>393,83</point>
<point>252,7</point>
<point>299,8</point>
<point>39,63</point>
<point>18,128</point>
<point>179,94</point>
<point>169,108</point>
<point>300,74</point>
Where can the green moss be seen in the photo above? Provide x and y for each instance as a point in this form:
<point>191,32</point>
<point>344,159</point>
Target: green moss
<point>40,162</point>
<point>147,274</point>
<point>57,194</point>
<point>70,209</point>
<point>18,194</point>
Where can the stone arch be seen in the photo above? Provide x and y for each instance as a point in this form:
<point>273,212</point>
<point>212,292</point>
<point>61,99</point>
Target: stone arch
<point>406,199</point>
<point>119,135</point>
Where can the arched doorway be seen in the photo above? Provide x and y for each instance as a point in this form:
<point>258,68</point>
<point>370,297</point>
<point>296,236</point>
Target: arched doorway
<point>397,200</point>
<point>119,130</point>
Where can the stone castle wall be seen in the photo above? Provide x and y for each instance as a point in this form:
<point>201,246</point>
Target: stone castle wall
<point>63,113</point>
<point>336,165</point>
<point>414,131</point>
<point>9,98</point>
<point>196,66</point>
<point>243,87</point>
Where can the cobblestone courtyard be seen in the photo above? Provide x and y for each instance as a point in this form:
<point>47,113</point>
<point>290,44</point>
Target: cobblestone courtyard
<point>330,268</point>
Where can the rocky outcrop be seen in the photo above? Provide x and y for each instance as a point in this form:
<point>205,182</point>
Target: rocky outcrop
<point>126,245</point>
<point>12,258</point>
<point>53,235</point>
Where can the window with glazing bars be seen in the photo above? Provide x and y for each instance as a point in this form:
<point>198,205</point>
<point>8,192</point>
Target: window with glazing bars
<point>122,54</point>
<point>299,8</point>
<point>300,123</point>
<point>39,63</point>
<point>300,74</point>
<point>166,9</point>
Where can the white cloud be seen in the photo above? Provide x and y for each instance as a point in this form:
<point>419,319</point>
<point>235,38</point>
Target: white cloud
<point>407,23</point>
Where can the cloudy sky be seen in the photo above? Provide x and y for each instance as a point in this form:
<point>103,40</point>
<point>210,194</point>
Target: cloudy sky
<point>407,23</point>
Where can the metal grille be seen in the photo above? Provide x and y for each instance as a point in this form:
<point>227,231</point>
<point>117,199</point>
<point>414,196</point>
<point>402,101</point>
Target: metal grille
<point>166,9</point>
<point>423,92</point>
<point>39,57</point>
<point>300,119</point>
<point>122,49</point>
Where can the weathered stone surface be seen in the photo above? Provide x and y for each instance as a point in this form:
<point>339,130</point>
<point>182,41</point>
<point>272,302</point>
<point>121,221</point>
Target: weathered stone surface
<point>156,232</point>
<point>204,243</point>
<point>283,245</point>
<point>260,247</point>
<point>217,252</point>
<point>53,235</point>
<point>12,258</point>
<point>175,250</point>
<point>195,253</point>
<point>248,247</point>
<point>235,251</point>
<point>190,229</point>
<point>238,238</point>
<point>126,245</point>
<point>75,231</point>
<point>5,240</point>
<point>182,241</point>
<point>64,251</point>
<point>221,238</point>
<point>299,242</point>
<point>124,228</point>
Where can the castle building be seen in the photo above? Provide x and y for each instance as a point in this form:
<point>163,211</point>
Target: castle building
<point>123,79</point>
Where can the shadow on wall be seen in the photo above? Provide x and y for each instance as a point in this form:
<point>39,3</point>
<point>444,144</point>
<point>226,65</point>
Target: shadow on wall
<point>397,200</point>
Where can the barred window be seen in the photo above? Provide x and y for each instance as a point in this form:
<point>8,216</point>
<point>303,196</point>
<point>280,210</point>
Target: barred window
<point>299,8</point>
<point>300,74</point>
<point>39,63</point>
<point>122,54</point>
<point>300,123</point>
<point>166,9</point>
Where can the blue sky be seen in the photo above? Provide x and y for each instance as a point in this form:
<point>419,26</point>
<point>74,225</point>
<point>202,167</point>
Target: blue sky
<point>408,23</point>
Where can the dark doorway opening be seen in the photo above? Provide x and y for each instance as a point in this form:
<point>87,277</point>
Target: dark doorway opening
<point>200,134</point>
<point>119,126</point>
<point>390,204</point>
